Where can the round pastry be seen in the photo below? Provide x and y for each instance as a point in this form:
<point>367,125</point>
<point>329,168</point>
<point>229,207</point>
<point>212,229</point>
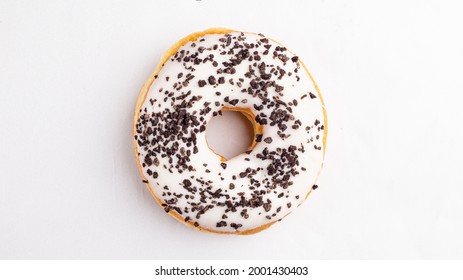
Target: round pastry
<point>199,77</point>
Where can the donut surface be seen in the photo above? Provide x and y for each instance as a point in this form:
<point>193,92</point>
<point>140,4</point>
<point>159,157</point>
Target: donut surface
<point>197,78</point>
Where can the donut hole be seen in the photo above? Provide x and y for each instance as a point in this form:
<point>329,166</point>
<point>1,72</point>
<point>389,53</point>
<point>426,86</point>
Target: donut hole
<point>230,134</point>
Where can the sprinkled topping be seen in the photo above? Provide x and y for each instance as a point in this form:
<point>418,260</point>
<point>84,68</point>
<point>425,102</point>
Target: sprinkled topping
<point>211,80</point>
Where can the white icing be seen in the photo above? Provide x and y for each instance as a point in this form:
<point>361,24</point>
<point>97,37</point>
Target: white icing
<point>308,110</point>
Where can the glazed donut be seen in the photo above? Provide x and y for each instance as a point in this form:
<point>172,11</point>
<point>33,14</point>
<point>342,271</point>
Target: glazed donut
<point>199,77</point>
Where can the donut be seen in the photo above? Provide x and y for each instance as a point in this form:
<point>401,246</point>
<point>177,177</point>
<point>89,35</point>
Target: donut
<point>198,78</point>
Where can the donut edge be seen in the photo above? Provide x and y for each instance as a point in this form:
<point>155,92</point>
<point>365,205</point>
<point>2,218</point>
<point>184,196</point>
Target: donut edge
<point>141,99</point>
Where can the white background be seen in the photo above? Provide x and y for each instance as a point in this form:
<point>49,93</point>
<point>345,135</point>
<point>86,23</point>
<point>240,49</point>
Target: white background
<point>391,73</point>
